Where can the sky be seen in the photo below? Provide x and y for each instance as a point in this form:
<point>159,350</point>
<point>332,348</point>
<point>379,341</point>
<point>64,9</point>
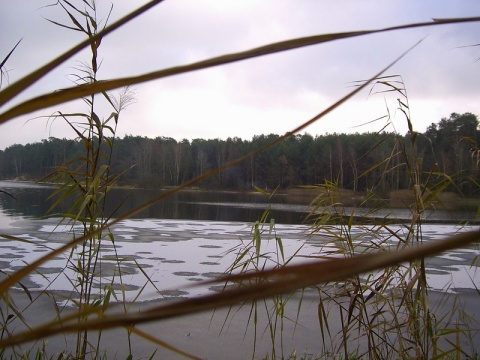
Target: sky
<point>272,94</point>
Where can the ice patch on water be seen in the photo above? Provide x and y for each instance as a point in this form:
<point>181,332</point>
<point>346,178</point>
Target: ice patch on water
<point>166,248</point>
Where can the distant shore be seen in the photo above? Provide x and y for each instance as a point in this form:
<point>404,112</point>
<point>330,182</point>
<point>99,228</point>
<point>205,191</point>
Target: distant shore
<point>348,205</point>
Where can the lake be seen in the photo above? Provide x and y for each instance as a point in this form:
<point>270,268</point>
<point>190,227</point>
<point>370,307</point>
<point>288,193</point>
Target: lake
<point>185,239</point>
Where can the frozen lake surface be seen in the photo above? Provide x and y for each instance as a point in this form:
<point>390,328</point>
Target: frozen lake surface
<point>176,254</point>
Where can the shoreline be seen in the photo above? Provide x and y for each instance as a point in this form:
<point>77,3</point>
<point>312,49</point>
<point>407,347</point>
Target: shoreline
<point>290,203</point>
<point>230,332</point>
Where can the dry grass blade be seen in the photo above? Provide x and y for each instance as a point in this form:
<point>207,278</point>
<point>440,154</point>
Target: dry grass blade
<point>244,288</point>
<point>6,193</point>
<point>24,83</point>
<point>279,281</point>
<point>374,167</point>
<point>18,275</point>
<point>77,92</point>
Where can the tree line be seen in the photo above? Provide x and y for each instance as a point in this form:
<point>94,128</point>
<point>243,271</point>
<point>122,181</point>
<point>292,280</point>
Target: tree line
<point>382,161</point>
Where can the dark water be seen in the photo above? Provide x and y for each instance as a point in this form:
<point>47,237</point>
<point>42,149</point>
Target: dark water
<point>33,200</point>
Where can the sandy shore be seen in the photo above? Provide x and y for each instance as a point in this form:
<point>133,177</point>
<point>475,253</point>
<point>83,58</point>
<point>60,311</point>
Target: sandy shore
<point>230,333</point>
<point>225,333</point>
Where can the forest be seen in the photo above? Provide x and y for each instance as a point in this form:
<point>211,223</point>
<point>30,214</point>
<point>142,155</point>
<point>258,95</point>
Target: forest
<point>358,162</point>
<point>66,281</point>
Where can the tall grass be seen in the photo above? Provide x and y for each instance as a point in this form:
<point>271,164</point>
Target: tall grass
<point>86,181</point>
<point>397,324</point>
<point>256,255</point>
<point>388,309</point>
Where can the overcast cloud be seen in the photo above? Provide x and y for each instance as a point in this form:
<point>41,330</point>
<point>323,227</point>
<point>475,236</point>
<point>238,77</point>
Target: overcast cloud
<point>273,94</point>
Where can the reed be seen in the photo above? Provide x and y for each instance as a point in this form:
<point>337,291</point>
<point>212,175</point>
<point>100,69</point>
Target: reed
<point>85,182</point>
<point>397,324</point>
<point>388,309</point>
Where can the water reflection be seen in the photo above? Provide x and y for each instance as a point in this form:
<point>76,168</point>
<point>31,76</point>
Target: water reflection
<point>33,200</point>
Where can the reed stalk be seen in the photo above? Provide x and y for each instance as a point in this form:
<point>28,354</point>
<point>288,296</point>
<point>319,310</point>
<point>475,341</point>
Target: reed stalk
<point>395,325</point>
